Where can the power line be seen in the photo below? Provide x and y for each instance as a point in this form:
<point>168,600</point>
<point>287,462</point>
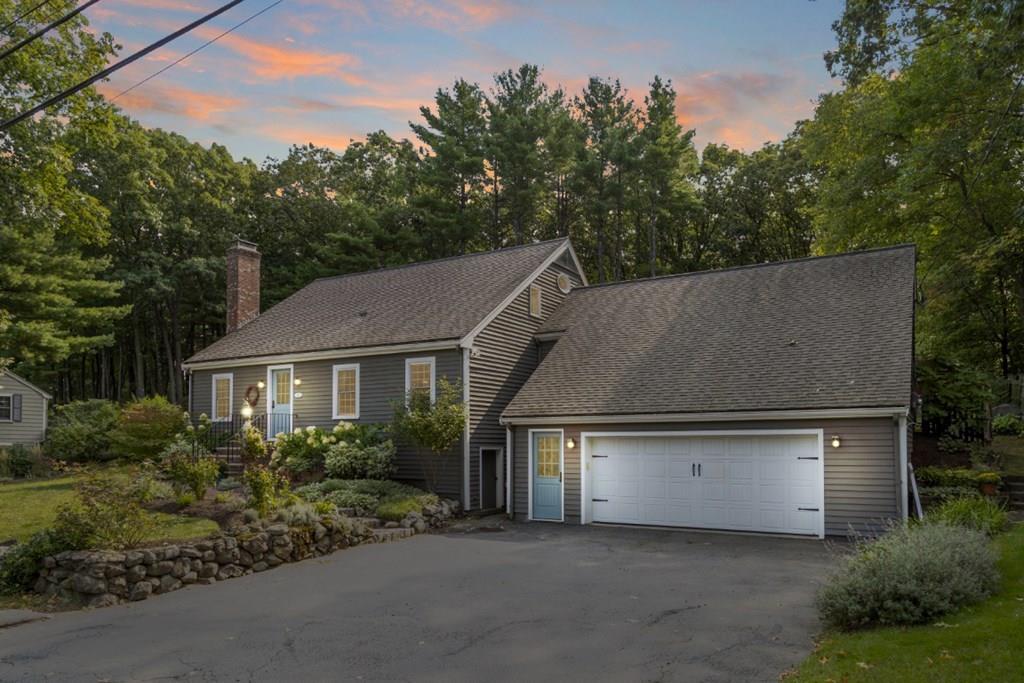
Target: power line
<point>52,25</point>
<point>201,47</point>
<point>24,14</point>
<point>115,67</point>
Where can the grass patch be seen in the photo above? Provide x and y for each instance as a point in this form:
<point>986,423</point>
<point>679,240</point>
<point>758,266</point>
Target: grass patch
<point>30,506</point>
<point>1012,448</point>
<point>979,643</point>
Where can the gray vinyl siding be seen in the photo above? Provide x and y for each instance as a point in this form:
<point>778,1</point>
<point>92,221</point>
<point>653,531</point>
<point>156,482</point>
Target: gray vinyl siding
<point>506,356</point>
<point>861,476</point>
<point>381,381</point>
<point>31,429</point>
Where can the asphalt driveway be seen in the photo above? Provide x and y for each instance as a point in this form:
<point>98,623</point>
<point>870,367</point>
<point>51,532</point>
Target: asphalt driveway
<point>534,602</point>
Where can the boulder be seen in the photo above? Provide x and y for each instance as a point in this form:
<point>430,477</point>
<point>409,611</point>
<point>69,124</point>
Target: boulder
<point>90,585</point>
<point>140,591</point>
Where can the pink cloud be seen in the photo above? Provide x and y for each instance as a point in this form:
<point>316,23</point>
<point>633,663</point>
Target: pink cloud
<point>274,62</point>
<point>301,135</point>
<point>177,101</point>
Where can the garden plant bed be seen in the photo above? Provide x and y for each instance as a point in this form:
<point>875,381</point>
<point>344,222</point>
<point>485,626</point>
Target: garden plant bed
<point>981,642</point>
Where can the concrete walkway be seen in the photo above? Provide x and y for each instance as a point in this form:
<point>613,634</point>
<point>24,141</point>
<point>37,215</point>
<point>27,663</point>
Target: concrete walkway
<point>534,602</point>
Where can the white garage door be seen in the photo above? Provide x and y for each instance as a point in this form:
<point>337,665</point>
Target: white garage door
<point>768,483</point>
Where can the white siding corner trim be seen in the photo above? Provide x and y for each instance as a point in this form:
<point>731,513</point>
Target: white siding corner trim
<point>466,500</point>
<point>335,412</point>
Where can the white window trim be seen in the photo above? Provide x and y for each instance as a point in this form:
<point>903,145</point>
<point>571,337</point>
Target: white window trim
<point>433,377</point>
<point>334,391</point>
<point>10,418</point>
<point>230,377</point>
<point>529,483</point>
<point>540,301</point>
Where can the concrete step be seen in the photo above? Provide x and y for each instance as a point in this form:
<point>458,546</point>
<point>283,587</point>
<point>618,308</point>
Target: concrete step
<point>388,535</point>
<point>371,522</point>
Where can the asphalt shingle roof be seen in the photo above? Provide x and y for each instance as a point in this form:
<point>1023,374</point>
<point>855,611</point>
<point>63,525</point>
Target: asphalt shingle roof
<point>434,300</point>
<point>827,332</point>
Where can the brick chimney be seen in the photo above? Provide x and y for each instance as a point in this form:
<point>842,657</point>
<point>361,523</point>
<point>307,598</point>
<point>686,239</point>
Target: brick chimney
<point>243,275</point>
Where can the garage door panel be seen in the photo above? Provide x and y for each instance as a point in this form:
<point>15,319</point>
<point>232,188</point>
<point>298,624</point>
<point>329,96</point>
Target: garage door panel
<point>755,483</point>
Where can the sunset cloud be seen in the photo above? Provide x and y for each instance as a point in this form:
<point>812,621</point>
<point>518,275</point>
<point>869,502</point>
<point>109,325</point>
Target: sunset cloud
<point>189,104</point>
<point>276,62</point>
<point>301,135</point>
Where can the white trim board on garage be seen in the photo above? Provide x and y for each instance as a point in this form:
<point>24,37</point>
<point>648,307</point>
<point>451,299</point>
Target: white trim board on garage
<point>809,504</point>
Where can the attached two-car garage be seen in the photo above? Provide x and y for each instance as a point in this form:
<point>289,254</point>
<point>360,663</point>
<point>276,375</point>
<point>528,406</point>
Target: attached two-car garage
<point>769,482</point>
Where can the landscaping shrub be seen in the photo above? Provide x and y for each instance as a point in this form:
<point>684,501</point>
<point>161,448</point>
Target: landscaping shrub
<point>194,476</point>
<point>265,488</point>
<point>946,476</point>
<point>20,461</point>
<point>146,427</point>
<point>362,452</point>
<point>1007,425</point>
<point>108,512</point>
<point>80,431</point>
<point>254,447</point>
<point>302,450</point>
<point>19,568</point>
<point>368,496</point>
<point>985,457</point>
<point>912,575</point>
<point>944,493</point>
<point>977,513</point>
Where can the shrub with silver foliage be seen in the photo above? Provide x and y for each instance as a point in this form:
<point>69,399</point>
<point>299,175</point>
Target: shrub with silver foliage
<point>912,575</point>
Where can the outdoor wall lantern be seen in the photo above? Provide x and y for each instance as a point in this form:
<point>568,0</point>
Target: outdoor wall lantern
<point>260,384</point>
<point>570,443</point>
<point>835,441</point>
<point>298,382</point>
<point>246,410</point>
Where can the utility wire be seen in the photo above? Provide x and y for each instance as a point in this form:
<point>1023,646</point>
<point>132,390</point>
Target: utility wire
<point>116,66</point>
<point>24,14</point>
<point>52,25</point>
<point>201,47</point>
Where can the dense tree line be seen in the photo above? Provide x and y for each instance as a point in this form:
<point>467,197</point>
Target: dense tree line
<point>113,235</point>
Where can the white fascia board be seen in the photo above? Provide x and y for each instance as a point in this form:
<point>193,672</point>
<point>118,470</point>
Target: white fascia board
<point>356,352</point>
<point>711,417</point>
<point>467,341</point>
<point>579,268</point>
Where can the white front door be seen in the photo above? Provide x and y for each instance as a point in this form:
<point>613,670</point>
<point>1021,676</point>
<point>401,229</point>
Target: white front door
<point>764,482</point>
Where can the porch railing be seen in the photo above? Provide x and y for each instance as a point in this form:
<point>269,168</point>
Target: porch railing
<point>223,437</point>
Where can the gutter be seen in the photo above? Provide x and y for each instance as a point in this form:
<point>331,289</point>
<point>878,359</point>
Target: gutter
<point>351,352</point>
<point>725,416</point>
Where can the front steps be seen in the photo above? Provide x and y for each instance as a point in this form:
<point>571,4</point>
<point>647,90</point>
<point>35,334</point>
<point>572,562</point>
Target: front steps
<point>1014,487</point>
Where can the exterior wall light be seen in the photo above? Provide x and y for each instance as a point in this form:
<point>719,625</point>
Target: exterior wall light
<point>570,443</point>
<point>835,441</point>
<point>246,410</point>
<point>298,394</point>
<point>260,384</point>
<point>298,382</point>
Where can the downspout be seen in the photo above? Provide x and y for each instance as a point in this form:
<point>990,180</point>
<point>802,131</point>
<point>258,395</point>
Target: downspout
<point>904,468</point>
<point>508,470</point>
<point>466,502</point>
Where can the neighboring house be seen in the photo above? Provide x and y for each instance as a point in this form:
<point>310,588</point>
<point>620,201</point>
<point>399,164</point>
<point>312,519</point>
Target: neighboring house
<point>770,398</point>
<point>23,408</point>
<point>347,347</point>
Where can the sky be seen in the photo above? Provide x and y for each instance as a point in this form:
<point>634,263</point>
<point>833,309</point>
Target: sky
<point>330,71</point>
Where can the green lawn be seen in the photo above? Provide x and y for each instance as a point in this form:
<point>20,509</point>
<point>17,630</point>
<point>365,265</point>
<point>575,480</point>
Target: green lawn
<point>980,643</point>
<point>30,506</point>
<point>1012,448</point>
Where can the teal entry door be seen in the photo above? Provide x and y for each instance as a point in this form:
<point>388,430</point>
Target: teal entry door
<point>547,475</point>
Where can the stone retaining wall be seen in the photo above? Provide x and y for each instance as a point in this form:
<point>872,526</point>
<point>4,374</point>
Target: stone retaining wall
<point>99,578</point>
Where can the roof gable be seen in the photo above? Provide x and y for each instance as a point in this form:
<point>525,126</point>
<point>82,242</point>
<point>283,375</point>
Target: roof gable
<point>827,332</point>
<point>421,302</point>
<point>21,382</point>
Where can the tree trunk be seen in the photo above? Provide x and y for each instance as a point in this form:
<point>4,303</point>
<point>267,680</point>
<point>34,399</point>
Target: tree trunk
<point>139,359</point>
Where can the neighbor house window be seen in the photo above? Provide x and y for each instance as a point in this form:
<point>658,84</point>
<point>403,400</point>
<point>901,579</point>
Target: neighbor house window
<point>419,377</point>
<point>535,301</point>
<point>346,392</point>
<point>6,411</point>
<point>222,400</point>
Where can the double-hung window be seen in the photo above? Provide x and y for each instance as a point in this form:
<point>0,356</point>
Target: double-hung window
<point>6,408</point>
<point>346,392</point>
<point>223,401</point>
<point>419,377</point>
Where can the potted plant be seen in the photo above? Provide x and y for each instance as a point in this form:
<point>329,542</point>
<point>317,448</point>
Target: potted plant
<point>989,482</point>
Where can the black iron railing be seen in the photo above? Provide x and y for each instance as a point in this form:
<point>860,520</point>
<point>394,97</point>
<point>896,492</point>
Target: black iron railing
<point>969,427</point>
